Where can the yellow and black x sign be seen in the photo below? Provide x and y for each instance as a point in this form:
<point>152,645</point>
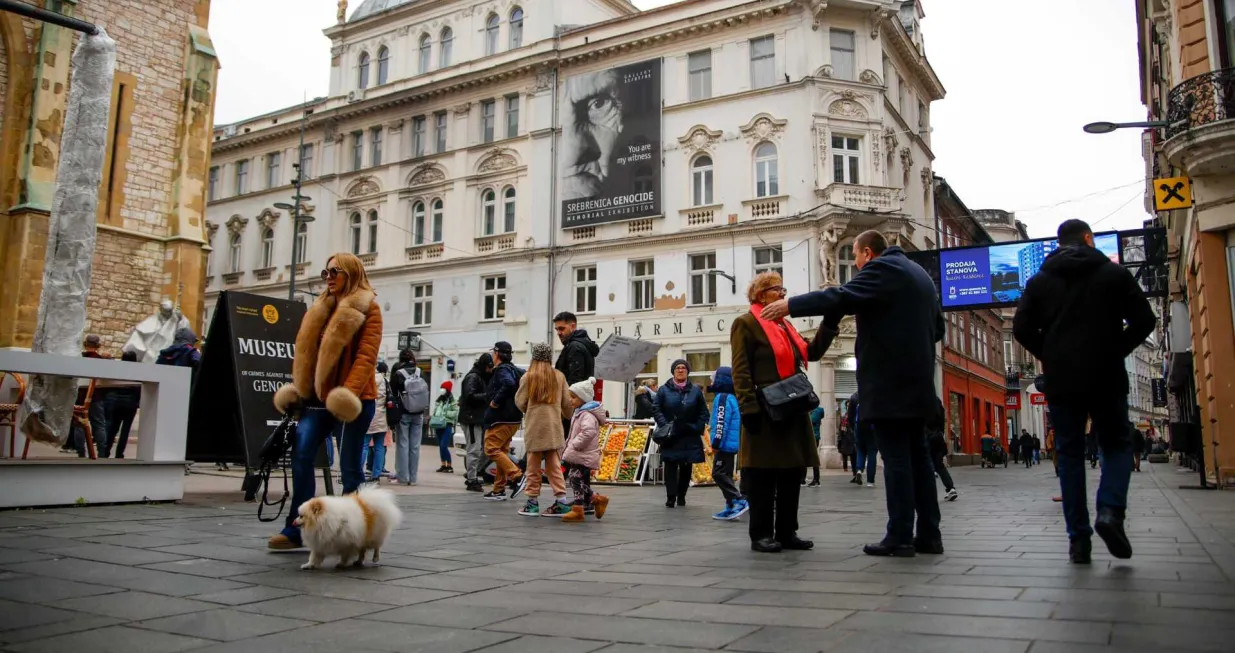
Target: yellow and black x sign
<point>1172,193</point>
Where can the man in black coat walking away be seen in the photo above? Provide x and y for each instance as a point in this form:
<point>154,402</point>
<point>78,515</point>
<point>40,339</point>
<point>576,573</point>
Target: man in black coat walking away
<point>577,362</point>
<point>473,400</point>
<point>1082,315</point>
<point>899,323</point>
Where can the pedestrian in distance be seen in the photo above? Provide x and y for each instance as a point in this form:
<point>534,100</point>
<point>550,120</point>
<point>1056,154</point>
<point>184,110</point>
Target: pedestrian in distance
<point>899,323</point>
<point>816,423</point>
<point>844,444</point>
<point>1026,447</point>
<point>502,420</point>
<point>1138,446</point>
<point>1037,449</point>
<point>865,445</point>
<point>582,451</point>
<point>680,405</point>
<point>1082,315</point>
<point>544,399</point>
<point>777,446</point>
<point>122,405</point>
<point>411,392</point>
<point>472,404</point>
<point>645,400</point>
<point>333,382</point>
<point>445,414</point>
<point>373,455</point>
<point>939,450</point>
<point>726,430</point>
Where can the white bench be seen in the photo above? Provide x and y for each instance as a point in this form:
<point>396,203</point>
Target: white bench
<point>156,473</point>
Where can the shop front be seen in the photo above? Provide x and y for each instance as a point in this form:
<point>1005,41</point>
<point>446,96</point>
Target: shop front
<point>975,403</point>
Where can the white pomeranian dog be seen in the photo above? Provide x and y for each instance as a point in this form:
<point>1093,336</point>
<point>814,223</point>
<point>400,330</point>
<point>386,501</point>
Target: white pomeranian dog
<point>347,526</point>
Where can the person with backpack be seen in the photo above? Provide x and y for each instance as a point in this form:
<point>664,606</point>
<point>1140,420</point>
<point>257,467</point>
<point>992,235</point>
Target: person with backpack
<point>412,394</point>
<point>182,352</point>
<point>502,420</point>
<point>445,413</point>
<point>726,430</point>
<point>472,404</point>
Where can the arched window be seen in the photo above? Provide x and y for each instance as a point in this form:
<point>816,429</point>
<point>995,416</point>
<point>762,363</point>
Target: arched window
<point>448,44</point>
<point>767,180</point>
<point>383,65</point>
<point>438,216</point>
<point>302,241</point>
<point>418,223</point>
<point>426,51</point>
<point>267,247</point>
<point>846,264</point>
<point>492,26</point>
<point>372,232</point>
<point>701,181</point>
<point>488,211</point>
<point>355,235</point>
<point>516,28</point>
<point>233,260</point>
<point>508,210</point>
<point>363,75</point>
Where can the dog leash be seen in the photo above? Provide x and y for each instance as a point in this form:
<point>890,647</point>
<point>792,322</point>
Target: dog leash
<point>273,453</point>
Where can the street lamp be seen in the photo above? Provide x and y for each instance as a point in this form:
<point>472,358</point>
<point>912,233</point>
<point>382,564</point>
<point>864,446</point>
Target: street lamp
<point>297,220</point>
<point>1108,127</point>
<point>733,280</point>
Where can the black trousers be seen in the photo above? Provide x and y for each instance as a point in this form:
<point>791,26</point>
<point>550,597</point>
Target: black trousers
<point>773,495</point>
<point>942,470</point>
<point>677,479</point>
<point>909,477</point>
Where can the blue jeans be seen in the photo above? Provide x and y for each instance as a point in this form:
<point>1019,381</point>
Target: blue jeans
<point>407,447</point>
<point>373,455</point>
<point>868,453</point>
<point>909,477</point>
<point>445,439</point>
<point>1110,423</point>
<point>316,425</point>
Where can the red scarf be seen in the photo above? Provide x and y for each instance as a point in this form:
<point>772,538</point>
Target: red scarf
<point>779,334</point>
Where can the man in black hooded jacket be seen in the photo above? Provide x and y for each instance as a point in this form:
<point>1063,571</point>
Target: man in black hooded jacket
<point>577,362</point>
<point>1082,315</point>
<point>473,400</point>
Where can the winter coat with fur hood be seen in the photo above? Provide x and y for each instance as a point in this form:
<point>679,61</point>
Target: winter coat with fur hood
<point>542,423</point>
<point>336,355</point>
<point>583,445</point>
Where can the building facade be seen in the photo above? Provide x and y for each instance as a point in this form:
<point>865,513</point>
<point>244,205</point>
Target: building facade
<point>1187,65</point>
<point>152,198</point>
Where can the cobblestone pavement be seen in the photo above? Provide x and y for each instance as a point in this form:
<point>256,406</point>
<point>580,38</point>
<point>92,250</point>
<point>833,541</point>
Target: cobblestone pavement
<point>464,574</point>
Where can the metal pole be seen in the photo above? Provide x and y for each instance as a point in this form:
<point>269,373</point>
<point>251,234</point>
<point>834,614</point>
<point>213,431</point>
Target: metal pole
<point>291,285</point>
<point>46,16</point>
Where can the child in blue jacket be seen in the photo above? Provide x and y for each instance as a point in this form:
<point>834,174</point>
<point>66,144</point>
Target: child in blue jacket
<point>726,429</point>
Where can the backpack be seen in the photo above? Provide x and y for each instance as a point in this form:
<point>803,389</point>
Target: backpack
<point>415,397</point>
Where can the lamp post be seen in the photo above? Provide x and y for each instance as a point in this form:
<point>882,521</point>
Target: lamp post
<point>732,279</point>
<point>1108,127</point>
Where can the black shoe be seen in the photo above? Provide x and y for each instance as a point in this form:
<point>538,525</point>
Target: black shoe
<point>766,545</point>
<point>796,543</point>
<point>671,502</point>
<point>475,487</point>
<point>814,483</point>
<point>1110,527</point>
<point>681,501</point>
<point>857,478</point>
<point>884,549</point>
<point>934,547</point>
<point>1079,551</point>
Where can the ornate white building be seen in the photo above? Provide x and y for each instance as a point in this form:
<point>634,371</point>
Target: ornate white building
<point>784,128</point>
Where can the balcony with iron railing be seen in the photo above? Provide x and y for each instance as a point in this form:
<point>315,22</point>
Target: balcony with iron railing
<point>1200,136</point>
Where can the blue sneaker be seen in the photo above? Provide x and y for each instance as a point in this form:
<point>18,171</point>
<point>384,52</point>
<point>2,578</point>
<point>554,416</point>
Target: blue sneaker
<point>741,507</point>
<point>727,513</point>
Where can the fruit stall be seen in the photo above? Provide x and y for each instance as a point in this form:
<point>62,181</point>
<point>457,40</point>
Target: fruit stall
<point>624,452</point>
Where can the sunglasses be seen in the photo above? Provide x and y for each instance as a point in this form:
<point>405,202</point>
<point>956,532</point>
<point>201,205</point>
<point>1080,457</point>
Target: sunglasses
<point>332,273</point>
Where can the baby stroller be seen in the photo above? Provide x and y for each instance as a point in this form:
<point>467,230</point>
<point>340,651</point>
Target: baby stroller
<point>993,453</point>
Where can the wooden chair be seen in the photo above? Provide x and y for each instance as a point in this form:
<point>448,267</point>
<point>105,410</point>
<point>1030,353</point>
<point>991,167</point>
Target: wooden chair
<point>8,412</point>
<point>81,416</point>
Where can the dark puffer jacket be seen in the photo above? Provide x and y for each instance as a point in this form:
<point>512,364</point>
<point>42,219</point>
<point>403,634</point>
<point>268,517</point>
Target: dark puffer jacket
<point>577,362</point>
<point>473,392</point>
<point>687,410</point>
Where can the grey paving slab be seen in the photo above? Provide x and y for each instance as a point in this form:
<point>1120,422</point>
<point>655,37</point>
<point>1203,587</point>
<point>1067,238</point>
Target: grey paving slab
<point>206,567</point>
<point>778,639</point>
<point>132,606</point>
<point>593,605</point>
<point>626,629</point>
<point>112,639</point>
<point>868,642</point>
<point>976,607</point>
<point>313,608</point>
<point>1198,639</point>
<point>14,614</point>
<point>1087,596</point>
<point>366,634</point>
<point>1135,613</point>
<point>322,582</point>
<point>79,623</point>
<point>811,600</point>
<point>534,644</point>
<point>10,556</point>
<point>740,614</point>
<point>138,540</point>
<point>967,626</point>
<point>960,592</point>
<point>222,624</point>
<point>148,580</point>
<point>245,595</point>
<point>32,589</point>
<point>452,616</point>
<point>450,583</point>
<point>671,593</point>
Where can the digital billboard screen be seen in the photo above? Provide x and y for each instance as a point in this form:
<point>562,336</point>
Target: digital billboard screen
<point>997,274</point>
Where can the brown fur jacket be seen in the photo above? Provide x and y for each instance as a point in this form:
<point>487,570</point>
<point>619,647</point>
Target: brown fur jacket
<point>336,355</point>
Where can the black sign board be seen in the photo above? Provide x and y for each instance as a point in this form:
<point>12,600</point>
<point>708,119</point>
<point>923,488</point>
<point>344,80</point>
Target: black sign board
<point>409,341</point>
<point>247,357</point>
<point>1159,390</point>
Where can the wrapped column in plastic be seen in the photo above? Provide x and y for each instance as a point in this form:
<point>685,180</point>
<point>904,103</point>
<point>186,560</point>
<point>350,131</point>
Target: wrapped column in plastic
<point>48,407</point>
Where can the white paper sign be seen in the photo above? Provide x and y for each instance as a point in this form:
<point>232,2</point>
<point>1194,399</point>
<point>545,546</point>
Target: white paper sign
<point>621,359</point>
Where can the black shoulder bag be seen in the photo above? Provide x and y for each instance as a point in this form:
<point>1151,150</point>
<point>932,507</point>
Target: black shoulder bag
<point>790,396</point>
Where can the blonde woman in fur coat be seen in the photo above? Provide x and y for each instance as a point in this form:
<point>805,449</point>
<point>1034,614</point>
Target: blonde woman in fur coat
<point>333,376</point>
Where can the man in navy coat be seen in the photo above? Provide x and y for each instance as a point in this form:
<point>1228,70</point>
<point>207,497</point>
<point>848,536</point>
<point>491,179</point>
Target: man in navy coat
<point>899,322</point>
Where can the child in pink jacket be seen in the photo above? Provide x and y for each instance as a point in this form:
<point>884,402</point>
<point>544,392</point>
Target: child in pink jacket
<point>582,454</point>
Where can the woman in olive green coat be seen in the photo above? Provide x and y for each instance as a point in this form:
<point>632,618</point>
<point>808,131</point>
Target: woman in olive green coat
<point>774,454</point>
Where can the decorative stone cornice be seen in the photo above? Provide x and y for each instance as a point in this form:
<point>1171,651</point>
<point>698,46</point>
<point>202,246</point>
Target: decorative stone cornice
<point>425,174</point>
<point>395,126</point>
<point>362,187</point>
<point>236,224</point>
<point>700,139</point>
<point>267,218</point>
<point>497,159</point>
<point>847,107</point>
<point>869,76</point>
<point>763,127</point>
<point>463,109</point>
<point>824,71</point>
<point>212,228</point>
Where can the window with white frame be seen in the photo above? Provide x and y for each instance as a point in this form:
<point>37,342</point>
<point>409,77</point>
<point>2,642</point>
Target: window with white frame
<point>488,212</point>
<point>424,54</point>
<point>302,242</point>
<point>422,304</point>
<point>846,264</point>
<point>233,258</point>
<point>585,289</point>
<point>488,109</point>
<point>355,233</point>
<point>494,291</point>
<point>447,48</point>
<point>843,61</point>
<point>762,62</point>
<point>418,136</point>
<point>357,150</point>
<point>439,131</point>
<point>418,223</point>
<point>642,285</point>
<point>508,210</point>
<point>242,177</point>
<point>702,365</point>
<point>767,178</point>
<point>701,181</point>
<point>267,247</point>
<point>512,116</point>
<point>274,164</point>
<point>362,73</point>
<point>375,146</point>
<point>516,28</point>
<point>383,65</point>
<point>699,67</point>
<point>846,160</point>
<point>702,281</point>
<point>768,259</point>
<point>372,232</point>
<point>436,218</point>
<point>212,189</point>
<point>492,26</point>
<point>306,161</point>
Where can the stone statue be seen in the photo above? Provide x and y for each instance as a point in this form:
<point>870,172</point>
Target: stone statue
<point>155,333</point>
<point>827,255</point>
<point>342,15</point>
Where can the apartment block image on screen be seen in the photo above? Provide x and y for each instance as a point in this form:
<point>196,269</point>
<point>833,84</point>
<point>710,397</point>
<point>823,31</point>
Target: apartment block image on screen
<point>1031,257</point>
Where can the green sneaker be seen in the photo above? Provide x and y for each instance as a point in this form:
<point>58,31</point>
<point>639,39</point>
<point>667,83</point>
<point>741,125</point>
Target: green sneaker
<point>530,509</point>
<point>558,509</point>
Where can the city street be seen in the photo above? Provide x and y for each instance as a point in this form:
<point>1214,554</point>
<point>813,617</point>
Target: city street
<point>465,574</point>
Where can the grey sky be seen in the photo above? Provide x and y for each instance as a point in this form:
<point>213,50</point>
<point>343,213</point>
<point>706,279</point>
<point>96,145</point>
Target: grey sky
<point>1022,78</point>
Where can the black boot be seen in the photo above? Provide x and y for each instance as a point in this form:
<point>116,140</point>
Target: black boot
<point>671,502</point>
<point>766,545</point>
<point>893,550</point>
<point>1079,551</point>
<point>795,543</point>
<point>1110,527</point>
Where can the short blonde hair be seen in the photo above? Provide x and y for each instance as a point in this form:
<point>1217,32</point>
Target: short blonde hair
<point>761,283</point>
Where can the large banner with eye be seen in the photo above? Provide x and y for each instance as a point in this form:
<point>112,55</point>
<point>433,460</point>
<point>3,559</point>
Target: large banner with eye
<point>611,145</point>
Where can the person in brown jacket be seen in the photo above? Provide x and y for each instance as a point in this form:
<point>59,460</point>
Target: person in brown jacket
<point>333,378</point>
<point>774,455</point>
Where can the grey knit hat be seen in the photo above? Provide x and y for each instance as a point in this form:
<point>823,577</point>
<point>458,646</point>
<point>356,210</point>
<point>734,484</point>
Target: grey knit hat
<point>542,352</point>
